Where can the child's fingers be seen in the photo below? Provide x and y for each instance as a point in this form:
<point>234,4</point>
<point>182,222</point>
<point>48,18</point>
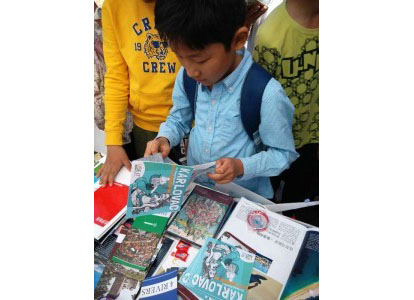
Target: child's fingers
<point>148,150</point>
<point>100,171</point>
<point>111,177</point>
<point>127,164</point>
<point>216,177</point>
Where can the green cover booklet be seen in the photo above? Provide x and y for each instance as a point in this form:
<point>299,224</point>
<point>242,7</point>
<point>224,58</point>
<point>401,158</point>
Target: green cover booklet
<point>220,271</point>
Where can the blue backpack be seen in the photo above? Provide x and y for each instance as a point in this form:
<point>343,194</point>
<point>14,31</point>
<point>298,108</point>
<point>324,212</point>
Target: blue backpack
<point>251,99</point>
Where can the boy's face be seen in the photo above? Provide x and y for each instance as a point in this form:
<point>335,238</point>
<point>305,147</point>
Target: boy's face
<point>209,65</point>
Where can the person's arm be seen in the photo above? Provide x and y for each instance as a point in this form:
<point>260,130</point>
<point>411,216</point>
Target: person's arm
<point>178,123</point>
<point>116,99</point>
<point>276,133</point>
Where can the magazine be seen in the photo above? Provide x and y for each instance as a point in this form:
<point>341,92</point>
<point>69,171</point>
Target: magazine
<point>279,243</point>
<point>220,271</point>
<point>156,188</point>
<point>201,215</point>
<point>159,287</point>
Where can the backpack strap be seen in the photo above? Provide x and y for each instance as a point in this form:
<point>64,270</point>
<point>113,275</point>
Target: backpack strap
<point>190,87</point>
<point>254,85</point>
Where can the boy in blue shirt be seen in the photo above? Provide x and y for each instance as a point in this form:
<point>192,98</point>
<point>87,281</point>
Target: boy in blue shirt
<point>208,37</point>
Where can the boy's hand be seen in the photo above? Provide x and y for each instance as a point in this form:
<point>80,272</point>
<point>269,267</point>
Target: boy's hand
<point>253,13</point>
<point>160,144</point>
<point>226,170</point>
<point>115,159</point>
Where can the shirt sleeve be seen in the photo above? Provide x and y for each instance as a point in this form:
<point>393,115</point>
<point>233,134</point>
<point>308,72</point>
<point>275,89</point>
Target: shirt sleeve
<point>275,131</point>
<point>178,122</point>
<point>116,80</point>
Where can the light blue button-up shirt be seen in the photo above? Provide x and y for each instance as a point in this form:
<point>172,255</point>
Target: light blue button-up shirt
<point>218,130</point>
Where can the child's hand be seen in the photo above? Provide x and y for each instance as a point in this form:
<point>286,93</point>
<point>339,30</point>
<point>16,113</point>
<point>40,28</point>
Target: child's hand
<point>160,144</point>
<point>226,170</point>
<point>253,13</point>
<point>115,159</point>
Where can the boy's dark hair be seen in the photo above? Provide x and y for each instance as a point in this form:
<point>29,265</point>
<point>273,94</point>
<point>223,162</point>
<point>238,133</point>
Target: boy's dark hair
<point>198,23</point>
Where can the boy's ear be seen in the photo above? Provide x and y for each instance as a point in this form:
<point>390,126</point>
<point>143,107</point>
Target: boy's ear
<point>240,38</point>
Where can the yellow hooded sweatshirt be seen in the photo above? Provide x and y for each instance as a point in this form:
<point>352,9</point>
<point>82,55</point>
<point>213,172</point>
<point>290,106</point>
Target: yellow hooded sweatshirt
<point>140,68</point>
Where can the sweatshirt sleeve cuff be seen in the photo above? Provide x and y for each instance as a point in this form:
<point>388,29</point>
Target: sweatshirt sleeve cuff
<point>113,139</point>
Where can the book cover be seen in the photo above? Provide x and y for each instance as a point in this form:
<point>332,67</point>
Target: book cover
<point>118,282</point>
<point>108,202</point>
<point>201,215</point>
<point>156,188</point>
<point>277,241</point>
<point>159,287</point>
<point>220,271</point>
<point>137,249</point>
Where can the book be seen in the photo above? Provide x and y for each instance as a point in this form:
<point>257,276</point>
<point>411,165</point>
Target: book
<point>159,287</point>
<point>109,207</point>
<point>220,271</point>
<point>185,294</point>
<point>140,244</point>
<point>118,282</point>
<point>278,242</point>
<point>156,188</point>
<point>201,215</point>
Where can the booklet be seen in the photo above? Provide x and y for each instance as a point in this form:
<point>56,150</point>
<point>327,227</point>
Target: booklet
<point>141,242</point>
<point>201,215</point>
<point>220,271</point>
<point>156,188</point>
<point>159,287</point>
<point>278,241</point>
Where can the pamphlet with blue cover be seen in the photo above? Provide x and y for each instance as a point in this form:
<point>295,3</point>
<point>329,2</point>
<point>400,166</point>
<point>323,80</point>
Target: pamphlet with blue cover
<point>156,188</point>
<point>159,287</point>
<point>219,271</point>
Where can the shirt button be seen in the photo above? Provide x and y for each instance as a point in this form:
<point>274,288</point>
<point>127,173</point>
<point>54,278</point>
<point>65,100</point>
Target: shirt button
<point>213,102</point>
<point>210,128</point>
<point>230,89</point>
<point>206,150</point>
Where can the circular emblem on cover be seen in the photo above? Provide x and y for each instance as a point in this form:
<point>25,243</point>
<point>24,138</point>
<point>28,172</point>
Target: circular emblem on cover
<point>258,220</point>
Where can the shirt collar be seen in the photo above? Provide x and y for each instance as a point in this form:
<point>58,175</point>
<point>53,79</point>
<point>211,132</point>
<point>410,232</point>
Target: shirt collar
<point>232,81</point>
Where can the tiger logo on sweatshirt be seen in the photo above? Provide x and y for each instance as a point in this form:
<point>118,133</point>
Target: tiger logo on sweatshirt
<point>154,46</point>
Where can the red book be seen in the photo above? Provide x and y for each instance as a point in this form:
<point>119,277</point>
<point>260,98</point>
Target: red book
<point>109,201</point>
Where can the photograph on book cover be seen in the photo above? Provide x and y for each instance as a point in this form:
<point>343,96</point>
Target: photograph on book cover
<point>201,215</point>
<point>137,249</point>
<point>118,282</point>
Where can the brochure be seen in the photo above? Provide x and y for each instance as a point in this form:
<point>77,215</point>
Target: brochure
<point>278,242</point>
<point>220,271</point>
<point>156,188</point>
<point>201,215</point>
